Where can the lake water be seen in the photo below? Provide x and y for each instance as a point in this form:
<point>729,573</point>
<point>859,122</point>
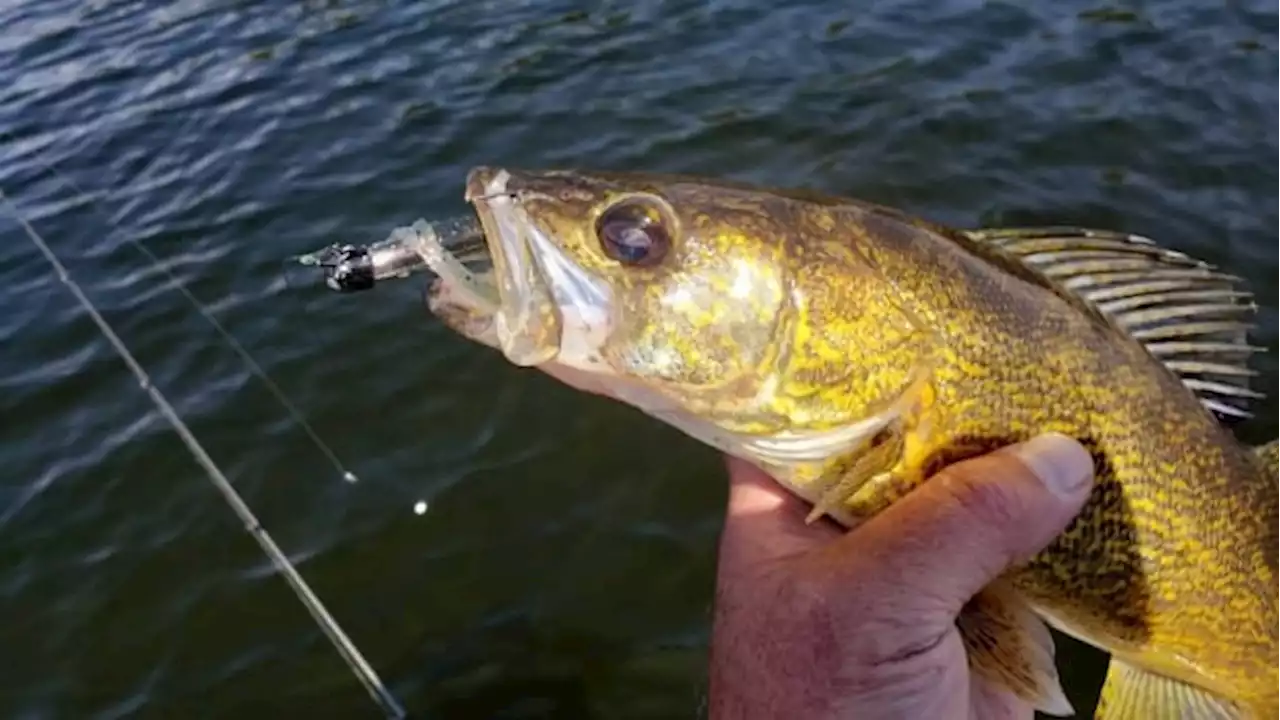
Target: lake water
<point>564,567</point>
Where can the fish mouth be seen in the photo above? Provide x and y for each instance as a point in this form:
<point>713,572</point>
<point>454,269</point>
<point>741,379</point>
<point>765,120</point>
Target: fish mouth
<point>542,304</point>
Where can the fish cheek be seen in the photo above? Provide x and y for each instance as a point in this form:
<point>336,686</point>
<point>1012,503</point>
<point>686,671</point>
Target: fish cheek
<point>853,349</point>
<point>687,330</point>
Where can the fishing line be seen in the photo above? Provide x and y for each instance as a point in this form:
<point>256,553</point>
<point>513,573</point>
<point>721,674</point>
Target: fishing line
<point>240,350</point>
<point>363,671</point>
<point>254,367</point>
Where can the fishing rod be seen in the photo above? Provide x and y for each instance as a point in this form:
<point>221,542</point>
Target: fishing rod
<point>363,671</point>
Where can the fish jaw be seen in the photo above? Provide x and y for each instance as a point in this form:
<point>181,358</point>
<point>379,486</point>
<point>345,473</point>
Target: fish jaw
<point>729,337</point>
<point>550,309</point>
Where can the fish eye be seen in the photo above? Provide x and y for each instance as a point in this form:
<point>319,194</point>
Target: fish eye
<point>633,233</point>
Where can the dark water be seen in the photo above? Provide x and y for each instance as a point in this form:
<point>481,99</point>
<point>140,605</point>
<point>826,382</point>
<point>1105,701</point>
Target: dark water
<point>564,568</point>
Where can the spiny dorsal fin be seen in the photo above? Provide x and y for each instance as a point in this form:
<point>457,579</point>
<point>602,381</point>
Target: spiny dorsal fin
<point>1190,316</point>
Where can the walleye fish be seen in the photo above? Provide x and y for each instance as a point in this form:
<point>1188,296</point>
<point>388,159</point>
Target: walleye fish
<point>852,351</point>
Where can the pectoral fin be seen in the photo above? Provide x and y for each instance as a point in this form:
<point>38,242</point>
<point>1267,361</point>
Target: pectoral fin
<point>1133,694</point>
<point>1010,647</point>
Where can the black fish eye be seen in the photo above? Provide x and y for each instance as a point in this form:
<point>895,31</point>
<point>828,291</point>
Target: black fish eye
<point>633,233</point>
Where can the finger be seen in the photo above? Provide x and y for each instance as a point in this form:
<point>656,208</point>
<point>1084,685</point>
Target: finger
<point>750,485</point>
<point>757,502</point>
<point>962,528</point>
<point>764,521</point>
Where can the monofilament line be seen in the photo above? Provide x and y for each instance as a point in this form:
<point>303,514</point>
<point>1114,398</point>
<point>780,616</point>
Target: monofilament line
<point>363,671</point>
<point>230,339</point>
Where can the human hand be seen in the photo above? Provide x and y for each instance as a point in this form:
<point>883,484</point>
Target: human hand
<point>814,623</point>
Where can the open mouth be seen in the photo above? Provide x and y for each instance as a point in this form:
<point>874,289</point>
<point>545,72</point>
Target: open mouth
<point>492,270</point>
<point>543,305</point>
<point>459,255</point>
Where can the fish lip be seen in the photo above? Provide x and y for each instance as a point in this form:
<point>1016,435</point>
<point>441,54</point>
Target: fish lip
<point>527,323</point>
<point>484,182</point>
<point>551,309</point>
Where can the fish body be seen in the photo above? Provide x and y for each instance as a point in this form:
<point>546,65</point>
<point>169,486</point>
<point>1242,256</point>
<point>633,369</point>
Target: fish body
<point>853,351</point>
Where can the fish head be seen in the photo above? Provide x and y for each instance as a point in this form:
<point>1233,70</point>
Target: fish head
<point>743,316</point>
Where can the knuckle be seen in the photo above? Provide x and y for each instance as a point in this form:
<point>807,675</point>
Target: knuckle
<point>985,492</point>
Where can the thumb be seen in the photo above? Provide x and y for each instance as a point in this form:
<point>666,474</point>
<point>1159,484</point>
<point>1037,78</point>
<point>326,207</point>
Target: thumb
<point>962,528</point>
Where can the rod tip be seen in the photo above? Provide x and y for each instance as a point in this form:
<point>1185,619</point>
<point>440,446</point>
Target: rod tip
<point>349,476</point>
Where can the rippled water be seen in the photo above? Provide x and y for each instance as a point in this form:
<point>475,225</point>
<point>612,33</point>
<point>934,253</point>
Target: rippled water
<point>564,568</point>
